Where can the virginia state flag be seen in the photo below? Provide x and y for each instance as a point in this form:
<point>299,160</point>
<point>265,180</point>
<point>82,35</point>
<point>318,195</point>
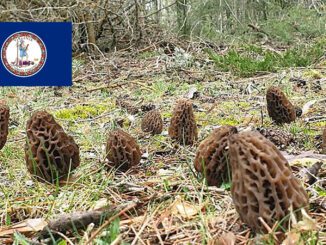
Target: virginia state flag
<point>36,54</point>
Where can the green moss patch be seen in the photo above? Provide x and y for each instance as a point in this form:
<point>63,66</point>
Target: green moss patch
<point>80,112</point>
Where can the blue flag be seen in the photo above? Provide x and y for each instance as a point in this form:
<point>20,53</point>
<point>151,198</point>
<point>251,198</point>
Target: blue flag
<point>36,54</point>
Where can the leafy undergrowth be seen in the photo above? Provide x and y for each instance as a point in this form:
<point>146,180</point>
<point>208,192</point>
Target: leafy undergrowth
<point>172,204</point>
<point>282,26</point>
<point>253,59</point>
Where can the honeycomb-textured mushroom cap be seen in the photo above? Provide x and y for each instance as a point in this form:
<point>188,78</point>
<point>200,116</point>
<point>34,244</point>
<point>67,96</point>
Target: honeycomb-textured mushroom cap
<point>147,107</point>
<point>152,122</point>
<point>183,126</point>
<point>323,146</point>
<point>212,158</point>
<point>262,181</point>
<point>279,107</point>
<point>4,122</point>
<point>130,108</point>
<point>122,150</point>
<point>50,153</point>
<point>280,138</point>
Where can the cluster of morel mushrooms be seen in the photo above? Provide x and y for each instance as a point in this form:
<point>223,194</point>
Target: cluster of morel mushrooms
<point>263,185</point>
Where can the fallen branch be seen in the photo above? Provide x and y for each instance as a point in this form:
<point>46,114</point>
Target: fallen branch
<point>81,220</point>
<point>78,220</point>
<point>307,154</point>
<point>106,223</point>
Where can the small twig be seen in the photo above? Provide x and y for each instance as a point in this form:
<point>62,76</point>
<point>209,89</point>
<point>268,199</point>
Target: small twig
<point>159,10</point>
<point>257,29</point>
<point>157,232</point>
<point>97,88</point>
<point>117,240</point>
<point>270,230</point>
<point>315,119</point>
<point>135,232</point>
<point>63,236</point>
<point>262,116</point>
<point>211,108</point>
<point>106,223</point>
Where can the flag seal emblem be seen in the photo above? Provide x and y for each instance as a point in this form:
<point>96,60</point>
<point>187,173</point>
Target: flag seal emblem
<point>23,54</point>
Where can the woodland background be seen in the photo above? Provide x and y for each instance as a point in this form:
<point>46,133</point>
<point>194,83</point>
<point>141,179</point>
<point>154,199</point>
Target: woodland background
<point>220,54</point>
<point>114,25</point>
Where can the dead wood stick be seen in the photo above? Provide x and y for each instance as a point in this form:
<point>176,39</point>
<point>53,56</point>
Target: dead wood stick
<point>106,223</point>
<point>257,29</point>
<point>97,88</point>
<point>78,220</point>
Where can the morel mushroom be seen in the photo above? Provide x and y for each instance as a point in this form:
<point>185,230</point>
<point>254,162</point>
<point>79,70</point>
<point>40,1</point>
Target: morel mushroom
<point>262,181</point>
<point>279,107</point>
<point>212,158</point>
<point>323,146</point>
<point>183,126</point>
<point>4,122</point>
<point>280,138</point>
<point>50,153</point>
<point>152,122</point>
<point>122,150</point>
<point>147,107</point>
<point>130,108</point>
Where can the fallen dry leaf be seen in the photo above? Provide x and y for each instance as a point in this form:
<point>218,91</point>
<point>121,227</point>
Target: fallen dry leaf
<point>307,106</point>
<point>29,225</point>
<point>226,239</point>
<point>101,203</point>
<point>292,238</point>
<point>306,224</point>
<point>135,220</point>
<point>192,92</point>
<point>184,208</point>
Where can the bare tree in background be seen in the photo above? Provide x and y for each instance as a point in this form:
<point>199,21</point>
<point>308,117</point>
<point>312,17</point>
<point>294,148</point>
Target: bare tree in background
<point>103,25</point>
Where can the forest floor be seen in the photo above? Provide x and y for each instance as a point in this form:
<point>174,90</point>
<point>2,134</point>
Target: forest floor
<point>169,203</point>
